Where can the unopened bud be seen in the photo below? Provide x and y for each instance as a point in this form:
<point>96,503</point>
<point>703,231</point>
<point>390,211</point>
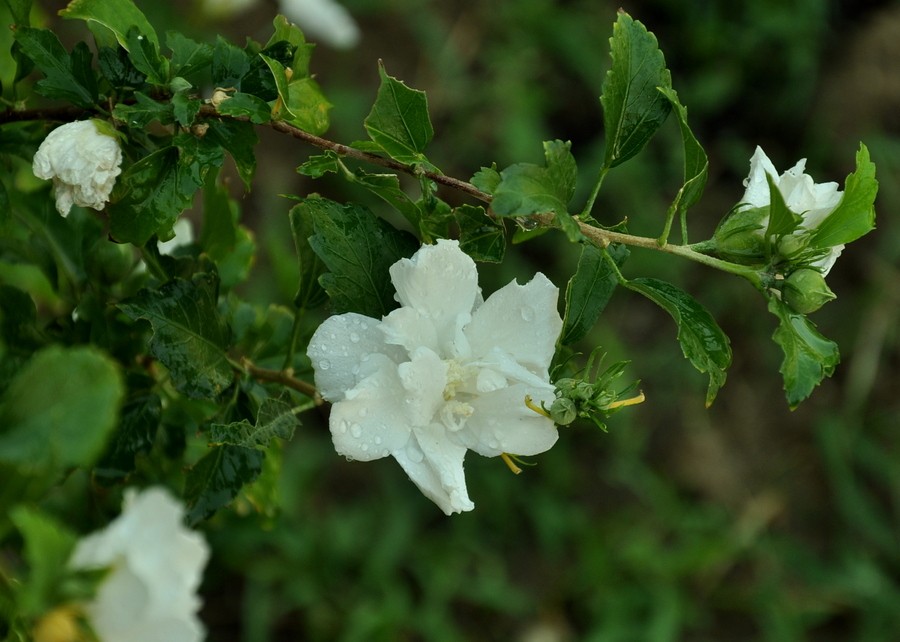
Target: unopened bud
<point>791,246</point>
<point>805,290</point>
<point>563,411</point>
<point>740,237</point>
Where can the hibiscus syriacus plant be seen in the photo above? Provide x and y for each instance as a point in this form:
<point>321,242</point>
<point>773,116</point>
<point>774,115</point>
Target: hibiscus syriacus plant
<point>134,353</point>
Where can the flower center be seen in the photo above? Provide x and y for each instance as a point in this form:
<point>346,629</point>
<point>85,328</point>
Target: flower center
<point>454,413</point>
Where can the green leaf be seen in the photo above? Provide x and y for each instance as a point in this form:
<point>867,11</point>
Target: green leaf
<point>240,104</point>
<point>222,239</point>
<point>134,435</point>
<point>117,15</point>
<point>68,76</point>
<point>308,106</point>
<point>696,163</point>
<point>5,212</point>
<point>480,236</point>
<point>855,214</point>
<point>188,57</point>
<point>527,189</point>
<point>264,493</point>
<point>318,166</point>
<point>144,55</point>
<point>20,11</point>
<point>291,33</point>
<point>239,139</point>
<point>309,293</point>
<point>589,290</point>
<point>275,419</point>
<point>144,111</point>
<point>190,337</point>
<point>487,179</point>
<point>18,322</point>
<point>781,219</point>
<point>185,109</point>
<point>215,480</point>
<point>702,340</point>
<point>48,545</point>
<point>229,64</point>
<point>633,108</point>
<point>60,408</point>
<point>259,79</point>
<point>399,120</point>
<point>387,186</point>
<point>808,356</point>
<point>281,84</point>
<point>117,68</point>
<point>358,248</point>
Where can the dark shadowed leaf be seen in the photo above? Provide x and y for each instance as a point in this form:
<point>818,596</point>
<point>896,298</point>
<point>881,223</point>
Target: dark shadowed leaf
<point>239,139</point>
<point>275,419</point>
<point>215,480</point>
<point>309,293</point>
<point>68,76</point>
<point>589,290</point>
<point>480,236</point>
<point>134,435</point>
<point>188,56</point>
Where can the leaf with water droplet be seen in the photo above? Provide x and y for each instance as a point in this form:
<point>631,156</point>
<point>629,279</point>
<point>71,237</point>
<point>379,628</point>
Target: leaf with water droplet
<point>275,418</point>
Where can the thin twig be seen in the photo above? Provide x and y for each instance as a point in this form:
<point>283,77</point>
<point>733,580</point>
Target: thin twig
<point>284,377</point>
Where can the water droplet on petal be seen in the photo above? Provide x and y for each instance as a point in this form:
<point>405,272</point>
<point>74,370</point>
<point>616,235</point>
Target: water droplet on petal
<point>354,337</point>
<point>333,335</point>
<point>324,364</point>
<point>378,440</point>
<point>363,411</point>
<point>356,430</point>
<point>365,447</point>
<point>415,453</point>
<point>343,427</point>
<point>527,313</point>
<point>492,443</point>
<point>385,452</point>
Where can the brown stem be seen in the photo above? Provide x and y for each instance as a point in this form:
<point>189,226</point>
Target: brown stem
<point>284,377</point>
<point>68,113</point>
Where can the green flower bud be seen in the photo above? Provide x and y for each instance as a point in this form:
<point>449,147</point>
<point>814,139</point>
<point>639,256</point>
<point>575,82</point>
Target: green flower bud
<point>740,236</point>
<point>805,290</point>
<point>563,411</point>
<point>790,246</point>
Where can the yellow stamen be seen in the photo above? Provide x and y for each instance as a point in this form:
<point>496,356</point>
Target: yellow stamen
<point>509,462</point>
<point>628,402</point>
<point>531,405</point>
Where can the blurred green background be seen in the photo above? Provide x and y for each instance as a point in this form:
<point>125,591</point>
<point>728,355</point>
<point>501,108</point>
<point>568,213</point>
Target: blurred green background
<point>741,522</point>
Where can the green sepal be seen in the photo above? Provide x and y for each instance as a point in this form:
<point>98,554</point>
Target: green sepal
<point>60,408</point>
<point>190,336</point>
<point>358,248</point>
<point>633,106</point>
<point>480,236</point>
<point>399,121</point>
<point>855,214</point>
<point>702,340</point>
<point>526,189</point>
<point>808,356</point>
<point>781,219</point>
<point>217,478</point>
<point>589,290</point>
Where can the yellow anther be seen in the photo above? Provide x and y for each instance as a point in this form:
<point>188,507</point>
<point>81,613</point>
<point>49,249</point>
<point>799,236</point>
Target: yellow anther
<point>531,405</point>
<point>509,462</point>
<point>628,402</point>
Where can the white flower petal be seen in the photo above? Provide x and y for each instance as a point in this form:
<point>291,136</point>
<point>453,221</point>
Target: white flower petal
<point>440,473</point>
<point>371,422</point>
<point>323,19</point>
<point>337,348</point>
<point>827,262</point>
<point>502,423</point>
<point>439,281</point>
<point>757,193</point>
<point>520,319</point>
<point>420,472</point>
<point>407,327</point>
<point>424,378</point>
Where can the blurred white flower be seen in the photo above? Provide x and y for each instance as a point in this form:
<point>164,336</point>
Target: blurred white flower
<point>83,162</point>
<point>444,373</point>
<point>812,201</point>
<point>156,566</point>
<point>184,235</point>
<point>325,20</point>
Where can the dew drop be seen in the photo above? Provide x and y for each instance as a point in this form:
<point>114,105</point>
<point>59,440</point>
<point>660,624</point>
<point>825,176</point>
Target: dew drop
<point>324,364</point>
<point>378,440</point>
<point>492,443</point>
<point>365,447</point>
<point>363,411</point>
<point>364,325</point>
<point>354,337</point>
<point>356,430</point>
<point>343,427</point>
<point>333,335</point>
<point>385,452</point>
<point>527,313</point>
<point>415,453</point>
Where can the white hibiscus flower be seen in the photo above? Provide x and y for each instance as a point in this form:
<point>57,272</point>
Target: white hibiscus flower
<point>445,373</point>
<point>83,162</point>
<point>325,20</point>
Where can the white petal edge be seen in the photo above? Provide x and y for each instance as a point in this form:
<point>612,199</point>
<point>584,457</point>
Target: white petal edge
<point>502,423</point>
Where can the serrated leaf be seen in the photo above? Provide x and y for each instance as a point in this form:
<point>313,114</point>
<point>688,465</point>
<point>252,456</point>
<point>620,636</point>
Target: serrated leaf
<point>48,545</point>
<point>144,111</point>
<point>117,68</point>
<point>480,236</point>
<point>399,121</point>
<point>229,64</point>
<point>487,179</point>
<point>144,55</point>
<point>68,76</point>
<point>190,337</point>
<point>188,56</point>
<point>589,290</point>
<point>633,108</point>
<point>239,139</point>
<point>702,340</point>
<point>781,219</point>
<point>808,356</point>
<point>291,33</point>
<point>20,10</point>
<point>117,15</point>
<point>527,189</point>
<point>275,419</point>
<point>282,111</point>
<point>309,293</point>
<point>696,163</point>
<point>185,109</point>
<point>60,408</point>
<point>259,79</point>
<point>308,106</point>
<point>215,480</point>
<point>317,166</point>
<point>855,214</point>
<point>387,187</point>
<point>241,104</point>
<point>134,435</point>
<point>358,248</point>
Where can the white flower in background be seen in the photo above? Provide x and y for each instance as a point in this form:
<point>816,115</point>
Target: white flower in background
<point>325,20</point>
<point>184,235</point>
<point>156,565</point>
<point>83,162</point>
<point>813,201</point>
<point>444,373</point>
